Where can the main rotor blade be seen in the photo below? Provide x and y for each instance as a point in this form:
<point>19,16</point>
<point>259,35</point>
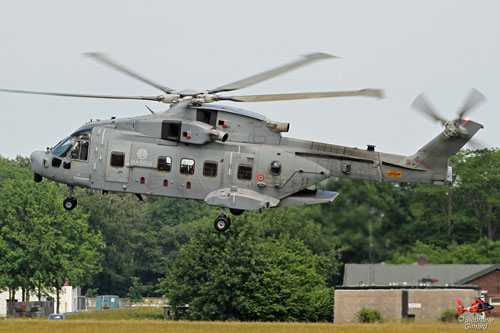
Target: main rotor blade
<point>422,104</point>
<point>146,98</point>
<point>284,97</point>
<point>272,73</point>
<point>111,63</point>
<point>473,100</point>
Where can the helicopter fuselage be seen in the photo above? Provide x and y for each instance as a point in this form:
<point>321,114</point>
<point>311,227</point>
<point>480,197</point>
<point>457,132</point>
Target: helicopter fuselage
<point>228,157</point>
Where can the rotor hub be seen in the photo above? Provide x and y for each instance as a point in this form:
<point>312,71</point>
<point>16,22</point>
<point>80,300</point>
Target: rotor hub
<point>451,129</point>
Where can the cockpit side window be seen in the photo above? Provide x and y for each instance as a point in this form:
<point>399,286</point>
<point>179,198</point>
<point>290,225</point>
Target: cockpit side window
<point>84,152</point>
<point>77,145</point>
<point>80,150</point>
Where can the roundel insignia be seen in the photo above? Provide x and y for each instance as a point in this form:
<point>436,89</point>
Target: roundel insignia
<point>260,177</point>
<point>142,154</point>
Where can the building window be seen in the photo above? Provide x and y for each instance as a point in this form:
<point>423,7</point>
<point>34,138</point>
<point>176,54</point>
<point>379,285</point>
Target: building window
<point>188,185</point>
<point>165,182</point>
<point>187,166</point>
<point>164,163</point>
<point>245,172</point>
<point>117,159</point>
<point>142,180</point>
<point>210,169</point>
<point>495,300</point>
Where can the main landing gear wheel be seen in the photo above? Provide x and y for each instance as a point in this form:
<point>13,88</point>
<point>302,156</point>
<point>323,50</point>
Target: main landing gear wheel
<point>222,222</point>
<point>69,203</point>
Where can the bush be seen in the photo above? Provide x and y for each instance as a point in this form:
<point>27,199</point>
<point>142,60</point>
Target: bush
<point>246,274</point>
<point>369,316</point>
<point>450,315</point>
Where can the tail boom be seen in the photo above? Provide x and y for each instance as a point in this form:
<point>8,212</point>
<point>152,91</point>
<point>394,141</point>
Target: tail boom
<point>460,307</point>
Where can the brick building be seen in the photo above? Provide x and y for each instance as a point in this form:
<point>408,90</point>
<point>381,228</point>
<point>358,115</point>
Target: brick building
<point>399,302</point>
<point>417,291</point>
<point>489,281</point>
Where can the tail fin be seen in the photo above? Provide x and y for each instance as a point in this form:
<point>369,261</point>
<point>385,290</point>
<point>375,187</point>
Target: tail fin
<point>434,155</point>
<point>460,307</point>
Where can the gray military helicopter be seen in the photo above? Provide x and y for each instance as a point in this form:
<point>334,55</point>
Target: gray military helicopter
<point>229,157</point>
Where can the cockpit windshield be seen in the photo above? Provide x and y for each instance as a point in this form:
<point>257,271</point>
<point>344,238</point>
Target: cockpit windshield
<point>61,149</point>
<point>77,143</point>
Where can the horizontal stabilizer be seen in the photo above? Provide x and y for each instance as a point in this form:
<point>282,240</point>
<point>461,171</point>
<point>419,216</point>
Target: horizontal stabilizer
<point>308,197</point>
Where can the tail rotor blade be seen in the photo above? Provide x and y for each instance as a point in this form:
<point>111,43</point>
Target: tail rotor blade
<point>101,57</point>
<point>422,104</point>
<point>473,100</point>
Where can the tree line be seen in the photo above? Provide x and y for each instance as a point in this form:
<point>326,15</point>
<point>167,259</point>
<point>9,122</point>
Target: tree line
<point>41,245</point>
<point>280,264</point>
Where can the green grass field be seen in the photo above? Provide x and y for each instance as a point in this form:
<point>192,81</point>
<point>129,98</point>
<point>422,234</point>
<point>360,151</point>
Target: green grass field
<point>146,320</point>
<point>145,326</point>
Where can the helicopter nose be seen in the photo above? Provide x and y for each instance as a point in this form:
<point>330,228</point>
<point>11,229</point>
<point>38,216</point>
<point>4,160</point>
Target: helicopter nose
<point>37,165</point>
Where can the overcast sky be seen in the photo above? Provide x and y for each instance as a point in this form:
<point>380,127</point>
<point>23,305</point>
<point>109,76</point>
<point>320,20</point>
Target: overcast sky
<point>404,47</point>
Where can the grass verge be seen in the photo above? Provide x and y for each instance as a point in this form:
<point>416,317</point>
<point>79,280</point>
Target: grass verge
<point>146,326</point>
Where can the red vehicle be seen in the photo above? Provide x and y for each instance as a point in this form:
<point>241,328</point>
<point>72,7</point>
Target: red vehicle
<point>478,306</point>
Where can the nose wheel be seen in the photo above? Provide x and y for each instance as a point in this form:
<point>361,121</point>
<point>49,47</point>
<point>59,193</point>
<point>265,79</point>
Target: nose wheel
<point>70,202</point>
<point>37,178</point>
<point>222,222</point>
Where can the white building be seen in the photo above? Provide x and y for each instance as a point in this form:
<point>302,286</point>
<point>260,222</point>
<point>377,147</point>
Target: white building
<point>68,299</point>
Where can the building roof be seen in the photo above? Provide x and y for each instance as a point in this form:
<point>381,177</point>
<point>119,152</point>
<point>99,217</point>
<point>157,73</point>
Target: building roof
<point>389,274</point>
<point>476,275</point>
<point>449,287</point>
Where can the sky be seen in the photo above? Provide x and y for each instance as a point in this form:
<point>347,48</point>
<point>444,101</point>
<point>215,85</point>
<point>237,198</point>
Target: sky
<point>442,48</point>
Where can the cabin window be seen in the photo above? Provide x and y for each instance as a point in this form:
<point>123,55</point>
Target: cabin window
<point>245,172</point>
<point>164,163</point>
<point>187,166</point>
<point>117,159</point>
<point>210,169</point>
